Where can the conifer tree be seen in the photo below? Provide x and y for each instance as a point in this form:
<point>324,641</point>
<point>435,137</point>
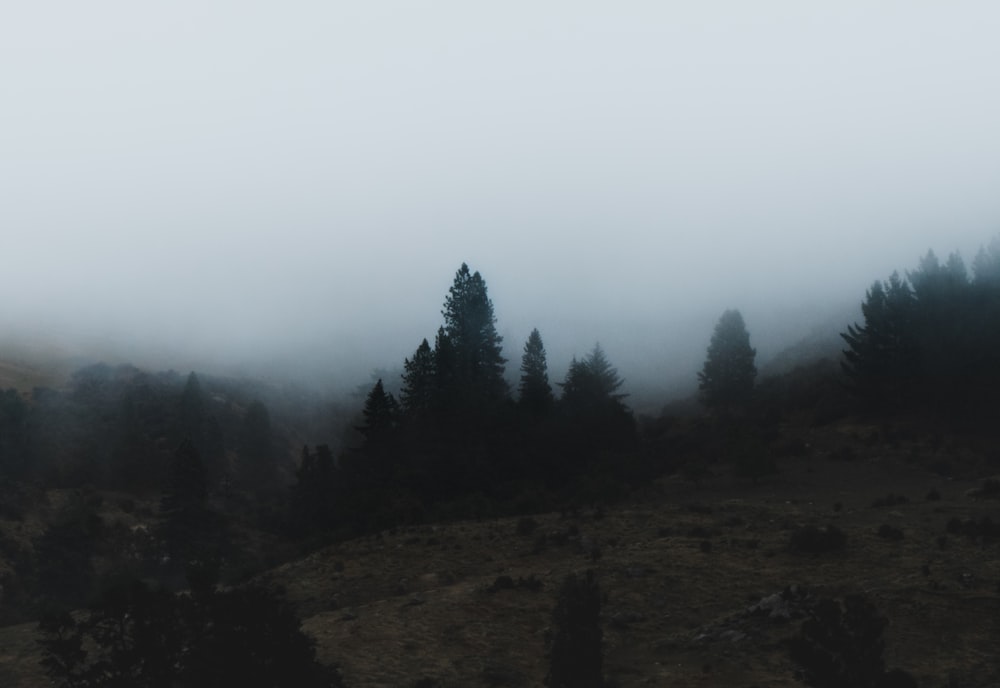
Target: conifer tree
<point>380,414</point>
<point>727,377</point>
<point>444,370</point>
<point>535,391</point>
<point>592,384</point>
<point>419,381</point>
<point>471,328</point>
<point>882,357</point>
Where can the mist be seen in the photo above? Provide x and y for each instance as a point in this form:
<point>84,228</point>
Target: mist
<point>289,191</point>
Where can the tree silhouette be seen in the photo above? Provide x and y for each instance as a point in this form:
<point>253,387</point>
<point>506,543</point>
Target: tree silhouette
<point>881,360</point>
<point>842,645</point>
<point>470,325</point>
<point>535,393</point>
<point>591,385</point>
<point>576,659</point>
<point>593,414</point>
<point>727,377</point>
<point>419,382</point>
<point>380,413</point>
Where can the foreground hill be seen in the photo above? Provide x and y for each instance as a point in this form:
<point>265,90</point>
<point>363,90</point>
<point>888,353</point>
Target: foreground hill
<point>692,577</point>
<point>679,568</point>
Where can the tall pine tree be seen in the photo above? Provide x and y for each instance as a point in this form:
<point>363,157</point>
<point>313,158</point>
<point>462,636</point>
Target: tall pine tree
<point>727,377</point>
<point>419,382</point>
<point>881,360</point>
<point>470,325</point>
<point>535,392</point>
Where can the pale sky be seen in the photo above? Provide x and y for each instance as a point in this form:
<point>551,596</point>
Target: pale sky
<point>249,179</point>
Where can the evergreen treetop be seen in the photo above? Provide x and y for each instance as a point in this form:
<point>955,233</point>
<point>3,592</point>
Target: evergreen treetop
<point>535,391</point>
<point>727,377</point>
<point>470,325</point>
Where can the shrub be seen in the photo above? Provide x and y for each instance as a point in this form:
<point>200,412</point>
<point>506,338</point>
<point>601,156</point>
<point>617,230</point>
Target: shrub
<point>841,645</point>
<point>575,658</point>
<point>139,636</point>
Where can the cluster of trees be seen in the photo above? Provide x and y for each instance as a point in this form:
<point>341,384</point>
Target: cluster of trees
<point>142,636</point>
<point>117,427</point>
<point>930,339</point>
<point>457,432</point>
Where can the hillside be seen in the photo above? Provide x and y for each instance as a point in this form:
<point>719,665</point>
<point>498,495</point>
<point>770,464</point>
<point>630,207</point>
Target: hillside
<point>679,568</point>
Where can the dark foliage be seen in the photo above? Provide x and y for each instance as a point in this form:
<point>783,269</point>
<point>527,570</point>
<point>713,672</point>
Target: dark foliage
<point>477,367</point>
<point>137,636</point>
<point>193,532</point>
<point>64,571</point>
<point>930,340</point>
<point>840,645</point>
<point>576,657</point>
<point>420,383</point>
<point>591,405</point>
<point>381,414</point>
<point>727,378</point>
<point>536,397</point>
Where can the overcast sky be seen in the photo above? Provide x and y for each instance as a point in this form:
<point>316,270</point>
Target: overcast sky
<point>264,177</point>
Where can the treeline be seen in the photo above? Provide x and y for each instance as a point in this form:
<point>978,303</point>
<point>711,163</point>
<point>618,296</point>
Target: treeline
<point>117,427</point>
<point>458,441</point>
<point>930,339</point>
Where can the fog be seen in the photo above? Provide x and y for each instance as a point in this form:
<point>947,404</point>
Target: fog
<point>292,186</point>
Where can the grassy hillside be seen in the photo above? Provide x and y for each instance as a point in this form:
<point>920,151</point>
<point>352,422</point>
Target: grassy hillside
<point>681,569</point>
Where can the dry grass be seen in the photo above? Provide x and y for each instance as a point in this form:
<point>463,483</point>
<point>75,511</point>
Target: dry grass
<point>413,603</point>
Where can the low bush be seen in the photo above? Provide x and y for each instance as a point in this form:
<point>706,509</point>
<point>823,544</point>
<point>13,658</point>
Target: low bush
<point>841,644</point>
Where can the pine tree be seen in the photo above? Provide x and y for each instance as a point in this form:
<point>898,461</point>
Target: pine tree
<point>535,393</point>
<point>380,414</point>
<point>882,357</point>
<point>444,370</point>
<point>471,328</point>
<point>591,384</point>
<point>727,378</point>
<point>419,382</point>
